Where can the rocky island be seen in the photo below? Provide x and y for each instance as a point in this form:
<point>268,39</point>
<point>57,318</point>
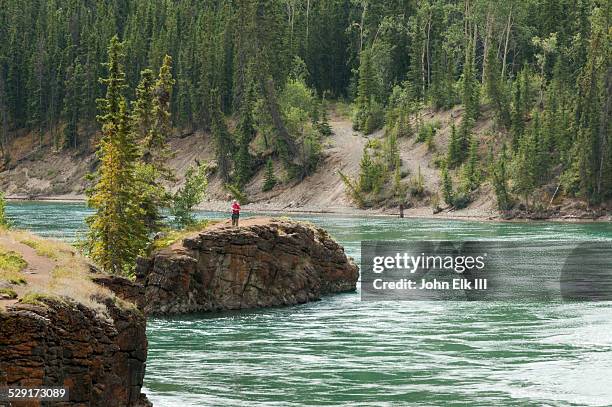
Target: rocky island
<point>263,263</point>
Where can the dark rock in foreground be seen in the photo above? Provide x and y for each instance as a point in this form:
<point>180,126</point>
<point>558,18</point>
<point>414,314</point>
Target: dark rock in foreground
<point>99,357</point>
<point>263,263</point>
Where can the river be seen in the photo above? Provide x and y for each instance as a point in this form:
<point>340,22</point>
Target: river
<point>345,351</point>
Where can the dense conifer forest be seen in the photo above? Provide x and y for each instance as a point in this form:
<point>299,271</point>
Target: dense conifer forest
<point>247,69</point>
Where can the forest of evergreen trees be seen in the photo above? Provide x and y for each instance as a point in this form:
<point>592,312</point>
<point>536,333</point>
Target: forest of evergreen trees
<point>544,66</point>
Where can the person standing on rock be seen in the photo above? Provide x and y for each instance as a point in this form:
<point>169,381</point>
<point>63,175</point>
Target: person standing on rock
<point>235,212</point>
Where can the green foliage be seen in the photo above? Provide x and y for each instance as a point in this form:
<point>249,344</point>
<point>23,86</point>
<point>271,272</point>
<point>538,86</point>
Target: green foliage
<point>455,153</point>
<point>224,146</point>
<point>302,112</point>
<point>372,171</point>
<point>311,152</point>
<point>170,236</point>
<point>245,132</point>
<point>426,134</point>
<point>447,186</point>
<point>499,178</point>
<point>189,195</point>
<point>551,56</point>
<point>470,171</point>
<point>399,190</point>
<point>151,118</point>
<point>391,152</point>
<point>470,92</point>
<point>497,90</point>
<point>592,157</point>
<point>417,184</point>
<point>4,221</point>
<point>237,193</point>
<point>11,262</point>
<point>526,165</point>
<point>369,115</point>
<point>353,189</point>
<point>298,97</point>
<point>8,293</point>
<point>375,118</point>
<point>73,104</point>
<point>269,177</point>
<point>522,103</point>
<point>323,126</point>
<point>116,234</point>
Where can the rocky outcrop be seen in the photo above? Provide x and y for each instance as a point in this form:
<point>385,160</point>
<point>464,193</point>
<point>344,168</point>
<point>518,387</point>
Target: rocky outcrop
<point>264,263</point>
<point>99,355</point>
<point>123,288</point>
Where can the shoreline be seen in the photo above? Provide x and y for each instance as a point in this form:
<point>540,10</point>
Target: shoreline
<point>410,213</point>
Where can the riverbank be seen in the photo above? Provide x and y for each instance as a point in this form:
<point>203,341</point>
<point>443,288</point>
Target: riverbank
<point>59,327</point>
<point>468,214</point>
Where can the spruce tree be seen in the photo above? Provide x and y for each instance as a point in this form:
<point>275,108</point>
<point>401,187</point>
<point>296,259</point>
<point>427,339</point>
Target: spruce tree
<point>454,148</point>
<point>594,138</point>
<point>496,89</point>
<point>525,174</point>
<point>500,178</point>
<point>189,195</point>
<point>471,171</point>
<point>470,91</point>
<point>221,136</point>
<point>245,132</point>
<point>157,142</point>
<point>367,109</point>
<point>447,186</point>
<point>142,108</point>
<point>71,111</point>
<point>269,177</point>
<point>152,123</point>
<point>116,233</point>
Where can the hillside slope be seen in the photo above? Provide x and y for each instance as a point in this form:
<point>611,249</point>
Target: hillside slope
<point>61,175</point>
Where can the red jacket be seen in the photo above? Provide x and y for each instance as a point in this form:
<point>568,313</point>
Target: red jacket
<point>236,208</point>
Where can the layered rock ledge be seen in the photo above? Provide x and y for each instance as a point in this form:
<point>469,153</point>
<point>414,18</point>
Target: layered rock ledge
<point>60,342</point>
<point>61,328</point>
<point>263,263</point>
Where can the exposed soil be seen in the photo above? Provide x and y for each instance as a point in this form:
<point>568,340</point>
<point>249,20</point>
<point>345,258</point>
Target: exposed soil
<point>62,176</point>
<point>37,273</point>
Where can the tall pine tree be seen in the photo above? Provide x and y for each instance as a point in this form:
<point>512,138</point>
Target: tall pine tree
<point>116,234</point>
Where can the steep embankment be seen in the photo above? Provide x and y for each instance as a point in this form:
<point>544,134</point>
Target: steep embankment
<point>41,173</point>
<point>59,328</point>
<point>264,263</point>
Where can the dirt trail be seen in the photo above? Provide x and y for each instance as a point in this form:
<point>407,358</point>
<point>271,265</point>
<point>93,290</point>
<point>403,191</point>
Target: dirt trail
<point>38,271</point>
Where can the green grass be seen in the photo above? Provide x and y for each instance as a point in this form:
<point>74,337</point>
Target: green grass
<point>38,299</point>
<point>7,292</point>
<point>171,236</point>
<point>343,109</point>
<point>11,265</point>
<point>43,248</point>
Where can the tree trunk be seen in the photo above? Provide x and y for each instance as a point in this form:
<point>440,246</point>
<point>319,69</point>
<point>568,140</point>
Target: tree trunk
<point>427,50</point>
<point>267,88</point>
<point>486,45</point>
<point>508,28</point>
<point>603,129</point>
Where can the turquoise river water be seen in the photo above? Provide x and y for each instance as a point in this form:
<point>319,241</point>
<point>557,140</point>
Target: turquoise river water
<point>344,351</point>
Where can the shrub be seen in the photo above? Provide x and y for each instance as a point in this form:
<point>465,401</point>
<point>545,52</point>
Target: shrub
<point>269,177</point>
<point>189,195</point>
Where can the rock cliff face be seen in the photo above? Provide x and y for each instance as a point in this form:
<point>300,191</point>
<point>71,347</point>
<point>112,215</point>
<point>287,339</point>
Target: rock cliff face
<point>100,358</point>
<point>265,262</point>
